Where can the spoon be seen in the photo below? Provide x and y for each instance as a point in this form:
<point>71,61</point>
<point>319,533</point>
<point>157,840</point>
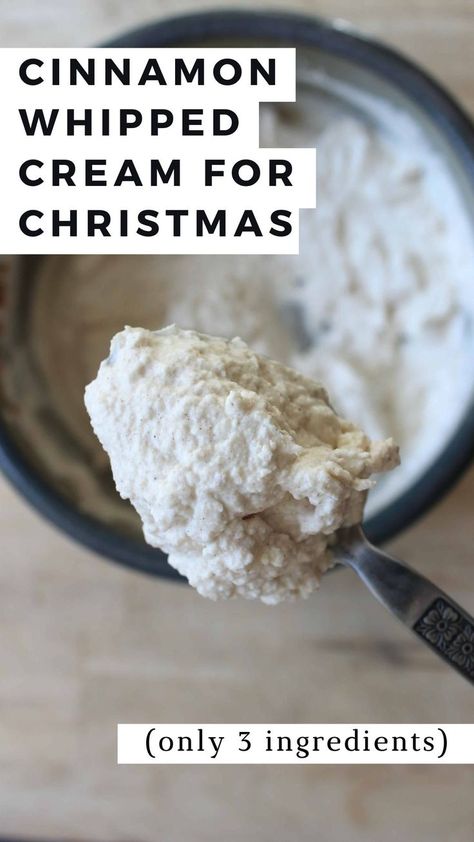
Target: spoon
<point>434,617</point>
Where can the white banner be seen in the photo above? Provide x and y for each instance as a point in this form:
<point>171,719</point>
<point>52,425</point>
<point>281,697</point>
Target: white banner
<point>278,744</point>
<point>133,151</point>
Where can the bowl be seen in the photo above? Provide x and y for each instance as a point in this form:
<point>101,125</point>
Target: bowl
<point>48,460</point>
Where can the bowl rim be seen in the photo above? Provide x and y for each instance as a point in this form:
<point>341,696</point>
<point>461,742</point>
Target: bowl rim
<point>341,39</point>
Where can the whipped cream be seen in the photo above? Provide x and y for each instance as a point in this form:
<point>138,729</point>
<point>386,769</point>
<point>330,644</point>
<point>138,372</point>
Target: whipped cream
<point>237,465</point>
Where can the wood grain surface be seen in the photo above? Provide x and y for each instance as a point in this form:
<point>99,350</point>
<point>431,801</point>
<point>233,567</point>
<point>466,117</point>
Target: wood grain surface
<point>85,644</point>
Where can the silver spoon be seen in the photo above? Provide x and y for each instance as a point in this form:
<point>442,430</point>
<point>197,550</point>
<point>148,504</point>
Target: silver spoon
<point>433,616</point>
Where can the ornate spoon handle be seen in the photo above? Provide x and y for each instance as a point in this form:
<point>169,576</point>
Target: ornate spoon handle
<point>430,613</point>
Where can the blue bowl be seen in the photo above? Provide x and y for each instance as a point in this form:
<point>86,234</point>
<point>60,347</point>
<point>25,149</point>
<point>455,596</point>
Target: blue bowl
<point>335,47</point>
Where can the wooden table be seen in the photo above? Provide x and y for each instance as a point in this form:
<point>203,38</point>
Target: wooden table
<point>85,644</point>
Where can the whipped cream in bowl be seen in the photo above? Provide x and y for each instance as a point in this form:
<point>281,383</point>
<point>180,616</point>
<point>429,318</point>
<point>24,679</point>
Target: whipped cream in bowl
<point>378,305</point>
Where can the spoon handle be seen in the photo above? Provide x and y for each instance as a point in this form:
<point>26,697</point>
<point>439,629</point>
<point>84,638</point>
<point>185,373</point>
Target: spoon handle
<point>430,613</point>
